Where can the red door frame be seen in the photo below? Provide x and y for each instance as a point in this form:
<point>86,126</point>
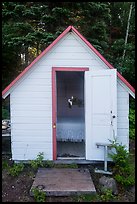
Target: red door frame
<point>54,107</point>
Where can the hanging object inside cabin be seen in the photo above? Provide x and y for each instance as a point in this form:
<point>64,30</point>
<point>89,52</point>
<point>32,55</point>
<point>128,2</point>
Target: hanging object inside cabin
<point>70,101</point>
<point>75,101</point>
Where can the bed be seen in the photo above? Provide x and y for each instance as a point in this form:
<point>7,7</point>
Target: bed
<point>70,129</point>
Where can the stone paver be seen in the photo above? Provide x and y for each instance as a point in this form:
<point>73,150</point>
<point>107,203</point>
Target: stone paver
<point>63,182</point>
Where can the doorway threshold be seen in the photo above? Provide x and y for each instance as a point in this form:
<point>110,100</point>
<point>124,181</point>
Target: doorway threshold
<point>67,158</point>
<point>72,160</point>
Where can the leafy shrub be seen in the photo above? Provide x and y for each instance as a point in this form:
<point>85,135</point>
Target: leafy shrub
<point>38,162</point>
<point>39,195</point>
<point>16,169</point>
<point>107,196</point>
<point>132,123</point>
<point>123,171</point>
<point>125,181</point>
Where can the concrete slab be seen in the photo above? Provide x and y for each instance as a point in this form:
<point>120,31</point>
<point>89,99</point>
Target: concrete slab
<point>63,182</point>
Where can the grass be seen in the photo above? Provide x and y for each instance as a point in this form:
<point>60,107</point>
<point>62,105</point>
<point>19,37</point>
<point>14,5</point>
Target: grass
<point>39,196</point>
<point>85,198</point>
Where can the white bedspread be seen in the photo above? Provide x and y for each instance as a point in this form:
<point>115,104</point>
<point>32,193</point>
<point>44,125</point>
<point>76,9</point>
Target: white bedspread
<point>70,129</point>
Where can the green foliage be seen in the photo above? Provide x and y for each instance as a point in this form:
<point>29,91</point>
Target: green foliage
<point>125,181</point>
<point>16,169</point>
<point>39,195</point>
<point>123,170</point>
<point>132,133</point>
<point>5,165</point>
<point>85,198</point>
<point>107,196</point>
<point>5,114</point>
<point>48,164</point>
<point>38,162</point>
<point>131,102</point>
<point>35,25</point>
<point>131,123</point>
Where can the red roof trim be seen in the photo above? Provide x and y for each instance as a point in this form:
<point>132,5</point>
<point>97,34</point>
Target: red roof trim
<point>104,60</point>
<point>52,44</point>
<point>43,53</point>
<point>91,47</point>
<point>126,82</point>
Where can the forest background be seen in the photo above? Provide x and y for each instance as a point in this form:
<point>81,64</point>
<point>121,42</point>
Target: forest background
<point>29,27</point>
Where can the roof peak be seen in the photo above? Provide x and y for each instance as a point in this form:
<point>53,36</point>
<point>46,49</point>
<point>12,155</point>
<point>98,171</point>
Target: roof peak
<point>6,91</point>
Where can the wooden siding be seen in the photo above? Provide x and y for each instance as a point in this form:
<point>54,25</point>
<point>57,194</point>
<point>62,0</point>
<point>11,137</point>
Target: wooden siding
<point>31,99</point>
<point>123,116</point>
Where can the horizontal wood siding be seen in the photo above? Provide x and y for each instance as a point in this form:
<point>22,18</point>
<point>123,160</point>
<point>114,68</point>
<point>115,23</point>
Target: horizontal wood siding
<point>31,99</point>
<point>31,108</point>
<point>123,116</point>
<point>64,55</point>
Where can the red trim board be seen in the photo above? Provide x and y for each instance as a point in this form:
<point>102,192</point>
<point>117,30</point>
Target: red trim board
<point>54,101</point>
<point>104,60</point>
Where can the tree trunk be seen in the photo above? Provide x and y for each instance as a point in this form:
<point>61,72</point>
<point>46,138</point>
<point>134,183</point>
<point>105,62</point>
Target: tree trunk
<point>127,31</point>
<point>26,56</point>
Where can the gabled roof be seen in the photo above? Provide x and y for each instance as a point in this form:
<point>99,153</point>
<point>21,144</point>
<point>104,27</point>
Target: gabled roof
<point>7,90</point>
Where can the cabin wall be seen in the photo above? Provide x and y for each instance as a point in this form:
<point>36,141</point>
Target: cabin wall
<point>31,100</point>
<point>31,118</point>
<point>123,116</point>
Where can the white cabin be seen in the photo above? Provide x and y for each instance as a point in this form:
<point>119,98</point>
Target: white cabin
<point>66,101</point>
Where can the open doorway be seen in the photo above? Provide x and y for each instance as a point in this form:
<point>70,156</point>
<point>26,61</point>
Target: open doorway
<point>70,121</point>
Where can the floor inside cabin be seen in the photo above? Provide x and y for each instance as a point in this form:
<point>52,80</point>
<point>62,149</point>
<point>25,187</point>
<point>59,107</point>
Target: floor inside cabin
<point>70,149</point>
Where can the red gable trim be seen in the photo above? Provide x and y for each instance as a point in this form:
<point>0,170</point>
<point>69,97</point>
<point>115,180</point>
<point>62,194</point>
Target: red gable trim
<point>104,60</point>
<point>126,82</point>
<point>52,44</point>
<point>43,53</point>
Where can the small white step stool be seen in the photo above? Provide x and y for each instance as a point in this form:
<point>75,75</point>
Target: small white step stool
<point>105,171</point>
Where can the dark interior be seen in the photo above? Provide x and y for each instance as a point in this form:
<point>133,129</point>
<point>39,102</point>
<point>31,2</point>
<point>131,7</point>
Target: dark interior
<point>70,114</point>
